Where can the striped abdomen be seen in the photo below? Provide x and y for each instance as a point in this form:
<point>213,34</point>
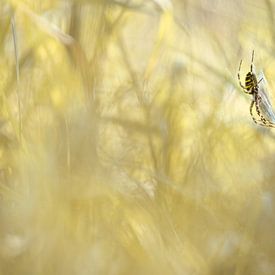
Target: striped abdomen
<point>250,81</point>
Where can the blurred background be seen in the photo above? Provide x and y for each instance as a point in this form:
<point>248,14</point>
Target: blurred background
<point>126,143</point>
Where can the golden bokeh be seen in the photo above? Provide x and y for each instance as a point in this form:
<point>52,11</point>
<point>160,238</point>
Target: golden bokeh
<point>126,143</point>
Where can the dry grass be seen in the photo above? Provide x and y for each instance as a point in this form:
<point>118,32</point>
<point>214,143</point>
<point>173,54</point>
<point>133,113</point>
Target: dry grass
<point>126,144</point>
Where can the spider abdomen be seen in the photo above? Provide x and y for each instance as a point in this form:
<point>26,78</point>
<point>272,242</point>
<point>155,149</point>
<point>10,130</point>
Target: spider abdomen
<point>250,81</point>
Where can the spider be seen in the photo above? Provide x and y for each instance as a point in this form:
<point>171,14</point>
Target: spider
<point>260,99</point>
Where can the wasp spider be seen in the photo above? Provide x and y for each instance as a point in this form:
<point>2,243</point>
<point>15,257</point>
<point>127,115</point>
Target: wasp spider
<point>258,90</point>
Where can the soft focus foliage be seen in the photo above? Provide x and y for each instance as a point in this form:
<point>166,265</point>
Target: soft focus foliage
<point>126,144</point>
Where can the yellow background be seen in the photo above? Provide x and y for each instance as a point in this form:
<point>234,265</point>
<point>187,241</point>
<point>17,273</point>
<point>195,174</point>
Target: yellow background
<point>126,143</point>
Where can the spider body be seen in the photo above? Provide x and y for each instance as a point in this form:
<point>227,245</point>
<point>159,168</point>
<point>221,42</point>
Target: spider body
<point>250,82</point>
<point>260,100</point>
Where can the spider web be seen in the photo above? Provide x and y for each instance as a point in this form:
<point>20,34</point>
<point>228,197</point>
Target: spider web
<point>265,103</point>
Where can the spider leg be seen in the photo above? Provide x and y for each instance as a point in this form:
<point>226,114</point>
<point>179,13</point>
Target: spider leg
<point>263,121</point>
<point>239,78</point>
<point>252,59</point>
<point>260,80</point>
<point>268,123</point>
<point>251,112</point>
<point>240,82</point>
<point>257,121</point>
<point>257,104</point>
